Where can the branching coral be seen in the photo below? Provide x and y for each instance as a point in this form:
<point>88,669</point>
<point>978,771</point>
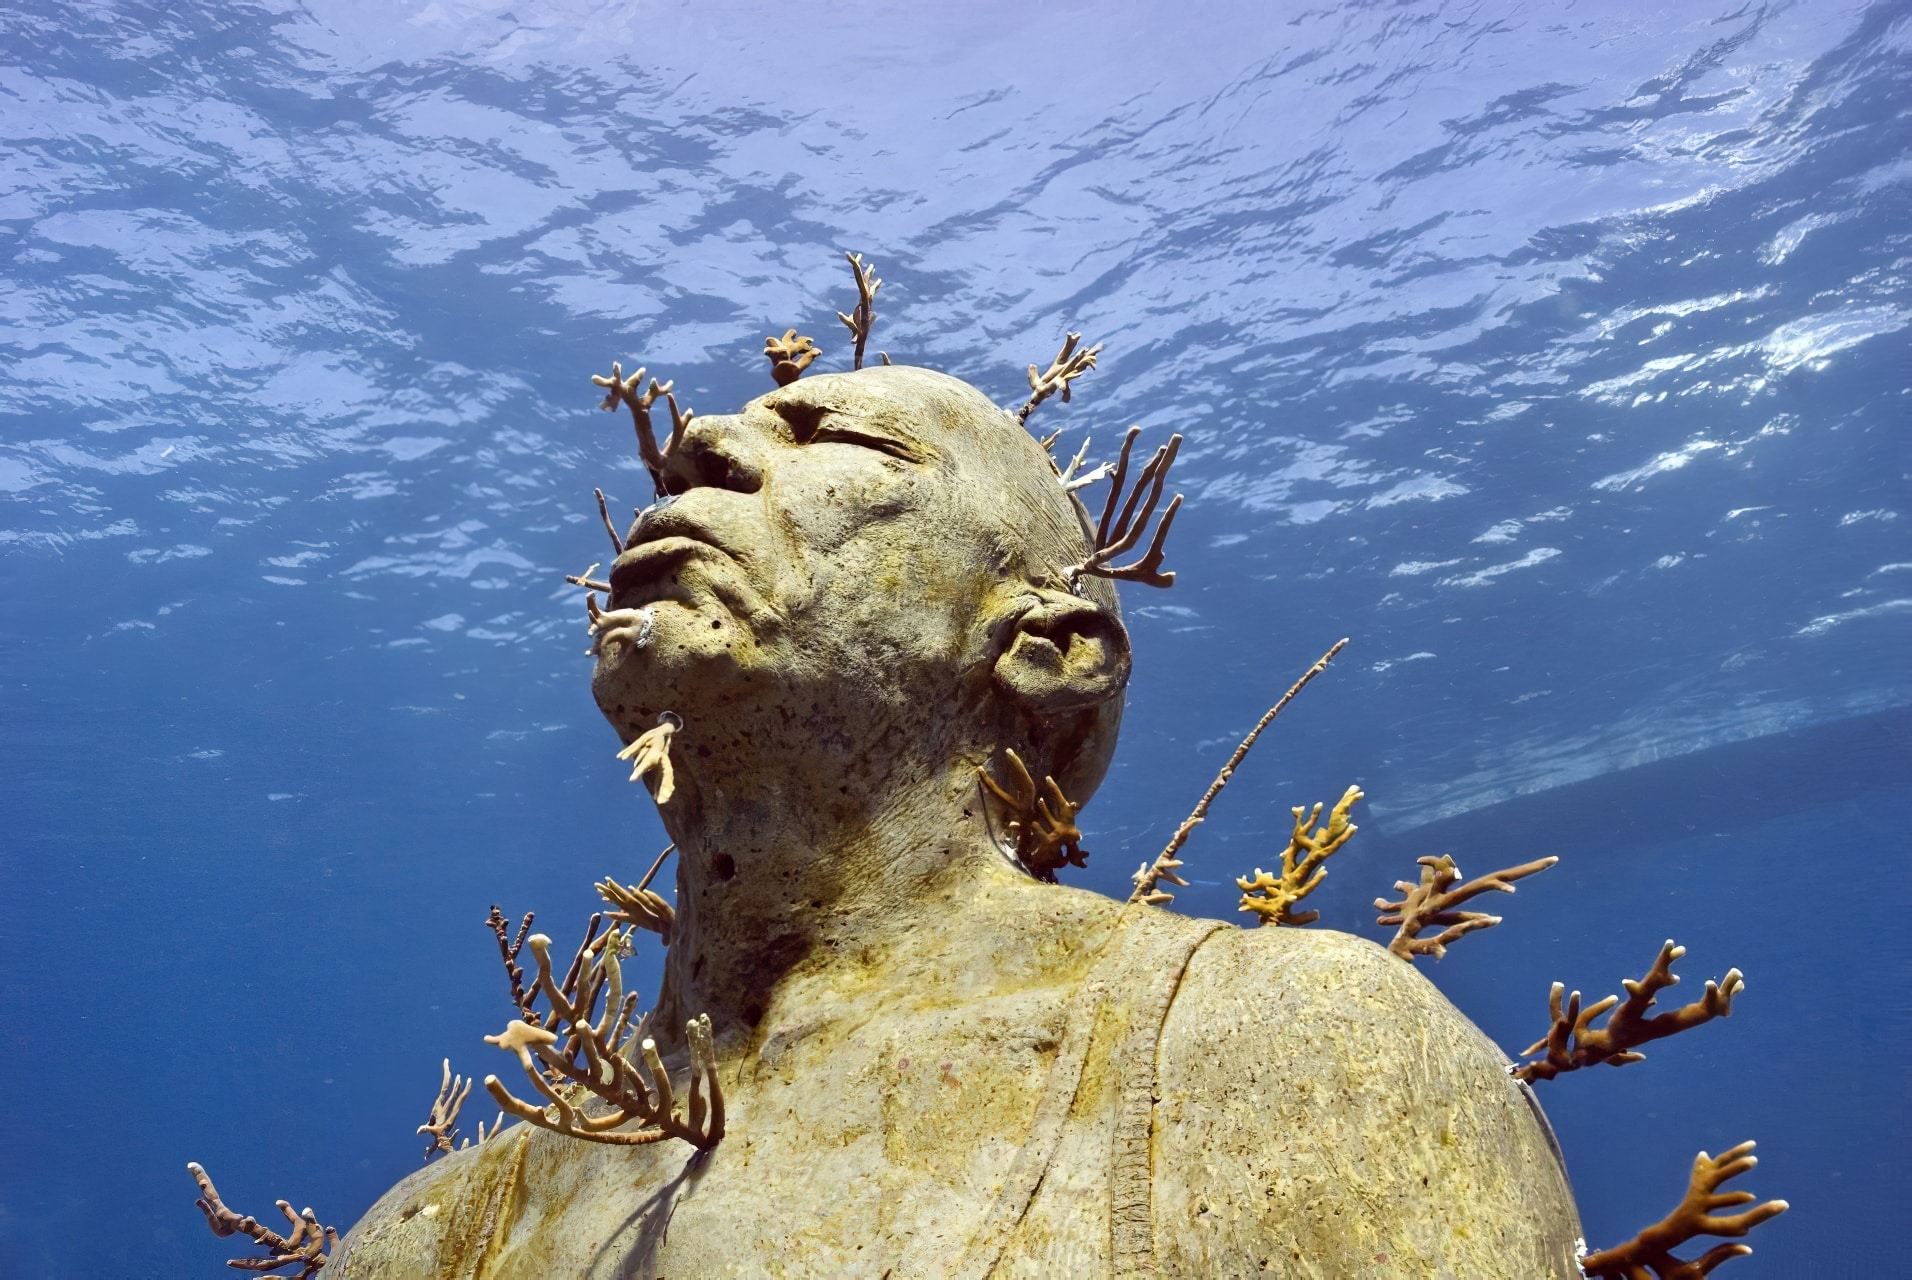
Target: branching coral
<point>1273,898</point>
<point>442,1123</point>
<point>638,905</point>
<point>1068,477</point>
<point>863,317</point>
<point>592,1043</point>
<point>1041,826</point>
<point>589,583</point>
<point>306,1248</point>
<point>1150,875</point>
<point>622,390</point>
<point>508,951</point>
<point>1116,534</point>
<point>1650,1253</point>
<point>1070,363</point>
<point>1433,900</point>
<point>650,757</point>
<point>789,356</point>
<point>1574,1042</point>
<point>616,626</point>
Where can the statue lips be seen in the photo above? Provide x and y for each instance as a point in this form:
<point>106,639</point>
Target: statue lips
<point>665,540</point>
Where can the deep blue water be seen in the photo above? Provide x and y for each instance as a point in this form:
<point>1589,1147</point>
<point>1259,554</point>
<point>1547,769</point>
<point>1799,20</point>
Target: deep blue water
<point>1555,353</point>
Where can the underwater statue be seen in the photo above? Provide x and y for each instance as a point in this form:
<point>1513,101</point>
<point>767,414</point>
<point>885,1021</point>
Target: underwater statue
<point>865,616</point>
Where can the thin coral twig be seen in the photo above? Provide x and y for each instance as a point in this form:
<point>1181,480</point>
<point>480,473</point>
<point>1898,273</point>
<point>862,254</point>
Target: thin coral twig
<point>1573,1042</point>
<point>1165,864</point>
<point>604,514</point>
<point>1273,898</point>
<point>508,951</point>
<point>586,581</point>
<point>1433,900</point>
<point>863,316</point>
<point>1651,1252</point>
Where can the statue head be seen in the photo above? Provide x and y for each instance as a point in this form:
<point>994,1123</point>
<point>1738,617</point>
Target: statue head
<point>865,573</point>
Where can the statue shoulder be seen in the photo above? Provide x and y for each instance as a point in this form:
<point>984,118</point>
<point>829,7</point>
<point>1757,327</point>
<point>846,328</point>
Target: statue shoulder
<point>1321,1099</point>
<point>441,1219</point>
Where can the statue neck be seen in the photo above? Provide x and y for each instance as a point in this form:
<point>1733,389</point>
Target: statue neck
<point>781,869</point>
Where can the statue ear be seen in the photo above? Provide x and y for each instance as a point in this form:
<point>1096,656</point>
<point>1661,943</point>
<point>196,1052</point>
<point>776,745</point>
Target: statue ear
<point>1063,653</point>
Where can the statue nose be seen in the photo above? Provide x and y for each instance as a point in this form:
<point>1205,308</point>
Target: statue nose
<point>714,453</point>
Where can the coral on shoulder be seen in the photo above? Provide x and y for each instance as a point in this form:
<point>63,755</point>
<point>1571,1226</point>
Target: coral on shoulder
<point>1432,902</point>
<point>1574,1042</point>
<point>1150,875</point>
<point>1273,898</point>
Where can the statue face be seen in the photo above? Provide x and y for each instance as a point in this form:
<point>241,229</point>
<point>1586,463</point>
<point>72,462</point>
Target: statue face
<point>846,558</point>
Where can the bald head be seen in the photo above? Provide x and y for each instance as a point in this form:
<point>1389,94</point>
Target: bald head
<point>862,563</point>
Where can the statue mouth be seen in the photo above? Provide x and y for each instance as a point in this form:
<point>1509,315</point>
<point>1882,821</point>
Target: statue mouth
<point>647,562</point>
<point>666,540</point>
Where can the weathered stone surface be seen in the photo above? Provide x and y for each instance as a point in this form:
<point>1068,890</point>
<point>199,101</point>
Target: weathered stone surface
<point>933,1064</point>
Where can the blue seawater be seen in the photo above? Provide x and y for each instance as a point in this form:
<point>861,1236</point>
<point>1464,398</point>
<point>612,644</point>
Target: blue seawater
<point>1555,353</point>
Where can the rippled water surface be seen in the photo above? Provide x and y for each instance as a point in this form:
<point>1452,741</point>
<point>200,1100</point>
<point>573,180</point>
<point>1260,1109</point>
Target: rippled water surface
<point>1555,353</point>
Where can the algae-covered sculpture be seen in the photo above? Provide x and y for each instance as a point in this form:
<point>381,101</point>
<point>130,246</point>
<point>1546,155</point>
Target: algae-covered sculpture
<point>876,620</point>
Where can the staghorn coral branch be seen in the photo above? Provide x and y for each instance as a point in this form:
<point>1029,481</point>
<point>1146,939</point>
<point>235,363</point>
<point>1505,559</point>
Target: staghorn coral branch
<point>441,1124</point>
<point>1433,900</point>
<point>638,905</point>
<point>1273,898</point>
<point>586,581</point>
<point>604,514</point>
<point>1069,364</point>
<point>589,1046</point>
<point>1165,864</point>
<point>650,755</point>
<point>305,1248</point>
<point>1042,822</point>
<point>1650,1253</point>
<point>863,318</point>
<point>622,390</point>
<point>1116,534</point>
<point>1573,1042</point>
<point>789,356</point>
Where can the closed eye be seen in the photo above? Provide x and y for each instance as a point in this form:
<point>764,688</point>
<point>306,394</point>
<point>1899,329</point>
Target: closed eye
<point>828,433</point>
<point>819,424</point>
